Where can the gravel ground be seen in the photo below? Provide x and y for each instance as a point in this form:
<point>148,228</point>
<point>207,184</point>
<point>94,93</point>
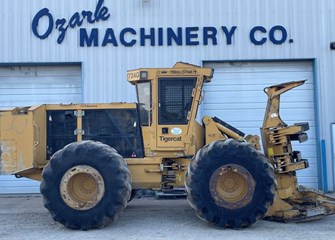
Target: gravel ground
<point>24,217</point>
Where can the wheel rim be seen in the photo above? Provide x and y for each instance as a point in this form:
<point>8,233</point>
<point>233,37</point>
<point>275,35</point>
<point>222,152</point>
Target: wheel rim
<point>82,187</point>
<point>232,186</point>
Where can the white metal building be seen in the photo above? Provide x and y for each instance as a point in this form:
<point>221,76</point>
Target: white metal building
<point>79,51</point>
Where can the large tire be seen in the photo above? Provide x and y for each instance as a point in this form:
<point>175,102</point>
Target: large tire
<point>230,184</point>
<point>86,185</point>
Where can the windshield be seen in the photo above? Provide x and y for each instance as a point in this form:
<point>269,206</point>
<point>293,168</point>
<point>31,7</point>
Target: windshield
<point>144,99</point>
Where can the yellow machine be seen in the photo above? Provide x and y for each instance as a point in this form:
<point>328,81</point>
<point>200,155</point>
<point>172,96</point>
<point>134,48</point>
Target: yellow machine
<point>92,158</point>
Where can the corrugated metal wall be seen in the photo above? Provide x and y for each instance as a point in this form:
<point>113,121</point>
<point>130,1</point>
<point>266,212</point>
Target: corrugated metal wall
<point>308,23</point>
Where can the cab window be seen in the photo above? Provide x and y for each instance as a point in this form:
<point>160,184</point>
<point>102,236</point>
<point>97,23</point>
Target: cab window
<point>144,100</point>
<point>175,99</point>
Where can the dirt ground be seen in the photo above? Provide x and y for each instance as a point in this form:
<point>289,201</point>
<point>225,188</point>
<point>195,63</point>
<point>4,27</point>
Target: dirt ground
<point>24,217</point>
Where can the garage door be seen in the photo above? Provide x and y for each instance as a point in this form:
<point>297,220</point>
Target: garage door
<point>236,96</point>
<point>32,85</point>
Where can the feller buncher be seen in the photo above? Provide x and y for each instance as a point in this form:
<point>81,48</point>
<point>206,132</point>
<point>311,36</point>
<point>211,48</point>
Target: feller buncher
<point>92,158</point>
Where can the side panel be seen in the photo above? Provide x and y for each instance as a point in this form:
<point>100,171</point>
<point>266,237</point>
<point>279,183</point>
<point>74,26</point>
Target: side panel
<point>39,136</point>
<point>61,126</point>
<point>31,135</point>
<point>146,173</point>
<point>118,128</point>
<point>23,139</point>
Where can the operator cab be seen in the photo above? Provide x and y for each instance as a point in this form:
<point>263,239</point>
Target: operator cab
<point>175,100</point>
<point>168,100</point>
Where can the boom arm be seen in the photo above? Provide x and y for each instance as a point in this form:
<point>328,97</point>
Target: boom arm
<point>216,129</point>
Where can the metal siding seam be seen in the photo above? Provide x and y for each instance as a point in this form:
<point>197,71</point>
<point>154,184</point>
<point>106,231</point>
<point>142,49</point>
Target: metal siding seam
<point>82,82</point>
<point>324,165</point>
<point>317,125</point>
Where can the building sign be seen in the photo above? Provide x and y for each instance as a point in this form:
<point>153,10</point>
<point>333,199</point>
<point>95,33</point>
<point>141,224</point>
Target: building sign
<point>128,37</point>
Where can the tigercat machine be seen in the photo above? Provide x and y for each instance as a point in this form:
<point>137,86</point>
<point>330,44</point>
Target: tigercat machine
<point>92,158</point>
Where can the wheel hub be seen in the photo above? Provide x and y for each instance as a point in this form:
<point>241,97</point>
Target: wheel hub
<point>82,187</point>
<point>232,186</point>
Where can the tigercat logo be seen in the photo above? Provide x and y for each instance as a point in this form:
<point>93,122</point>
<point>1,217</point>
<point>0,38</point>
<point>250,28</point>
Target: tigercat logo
<point>170,139</point>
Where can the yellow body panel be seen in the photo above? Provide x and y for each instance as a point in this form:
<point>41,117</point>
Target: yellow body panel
<point>23,142</point>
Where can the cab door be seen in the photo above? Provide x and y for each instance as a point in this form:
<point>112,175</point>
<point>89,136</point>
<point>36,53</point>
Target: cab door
<point>175,100</point>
